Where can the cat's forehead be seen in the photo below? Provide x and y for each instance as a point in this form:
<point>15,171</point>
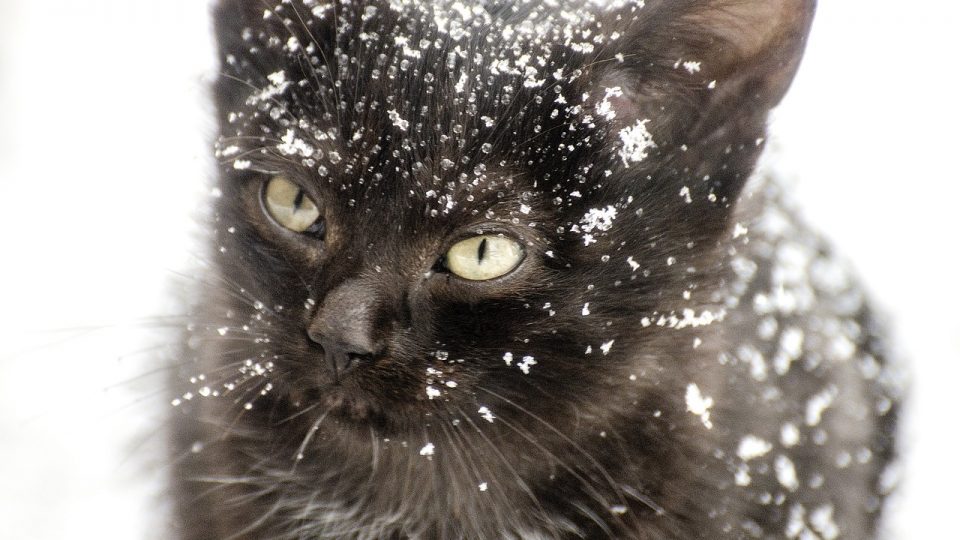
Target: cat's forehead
<point>439,101</point>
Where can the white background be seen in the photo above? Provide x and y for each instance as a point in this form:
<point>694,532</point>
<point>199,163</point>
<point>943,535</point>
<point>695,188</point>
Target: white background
<point>104,155</point>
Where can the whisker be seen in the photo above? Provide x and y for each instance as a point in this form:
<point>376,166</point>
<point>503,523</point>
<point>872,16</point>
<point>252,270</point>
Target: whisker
<point>306,440</point>
<point>590,458</point>
<point>524,486</point>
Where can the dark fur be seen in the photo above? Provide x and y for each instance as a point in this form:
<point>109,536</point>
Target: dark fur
<point>586,445</point>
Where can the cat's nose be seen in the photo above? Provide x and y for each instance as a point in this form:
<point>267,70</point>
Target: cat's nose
<point>343,327</point>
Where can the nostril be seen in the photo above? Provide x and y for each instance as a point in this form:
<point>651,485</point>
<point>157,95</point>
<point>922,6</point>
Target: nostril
<point>341,359</point>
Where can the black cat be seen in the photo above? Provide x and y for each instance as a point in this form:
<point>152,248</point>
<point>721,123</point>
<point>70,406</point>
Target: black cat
<point>494,270</point>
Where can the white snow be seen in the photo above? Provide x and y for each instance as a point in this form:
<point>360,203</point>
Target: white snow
<point>486,413</point>
<point>752,447</point>
<point>819,403</point>
<point>598,219</point>
<point>786,472</point>
<point>789,435</point>
<point>397,121</point>
<point>698,404</point>
<point>526,363</point>
<point>636,143</point>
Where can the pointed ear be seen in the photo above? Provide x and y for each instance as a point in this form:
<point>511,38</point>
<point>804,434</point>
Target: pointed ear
<point>706,73</point>
<point>752,47</point>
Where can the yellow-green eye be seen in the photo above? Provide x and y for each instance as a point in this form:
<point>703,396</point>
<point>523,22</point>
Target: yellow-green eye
<point>484,257</point>
<point>289,206</point>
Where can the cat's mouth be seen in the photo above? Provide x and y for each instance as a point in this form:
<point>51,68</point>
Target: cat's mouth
<point>349,406</point>
<point>344,405</point>
<point>359,397</point>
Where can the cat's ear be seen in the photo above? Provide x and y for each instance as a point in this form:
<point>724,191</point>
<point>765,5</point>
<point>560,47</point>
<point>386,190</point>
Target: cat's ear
<point>706,73</point>
<point>751,48</point>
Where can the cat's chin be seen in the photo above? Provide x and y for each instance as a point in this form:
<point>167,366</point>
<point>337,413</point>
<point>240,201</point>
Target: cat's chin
<point>353,408</point>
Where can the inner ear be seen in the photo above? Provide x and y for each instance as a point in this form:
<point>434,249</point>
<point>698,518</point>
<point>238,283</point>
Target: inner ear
<point>760,40</point>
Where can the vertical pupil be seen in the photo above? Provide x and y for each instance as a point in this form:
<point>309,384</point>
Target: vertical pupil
<point>298,200</point>
<point>482,250</point>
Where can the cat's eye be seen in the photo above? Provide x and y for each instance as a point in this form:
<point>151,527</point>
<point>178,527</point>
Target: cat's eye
<point>290,206</point>
<point>483,257</point>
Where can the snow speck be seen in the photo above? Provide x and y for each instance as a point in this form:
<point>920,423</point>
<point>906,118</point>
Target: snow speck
<point>742,476</point>
<point>752,447</point>
<point>637,143</point>
<point>692,66</point>
<point>606,347</point>
<point>605,108</point>
<point>739,230</point>
<point>483,486</point>
<point>487,414</point>
<point>292,145</point>
<point>508,358</point>
<point>789,435</point>
<point>822,521</point>
<point>278,85</point>
<point>231,150</point>
<point>817,404</point>
<point>699,405</point>
<point>526,364</point>
<point>432,392</point>
<point>599,219</point>
<point>796,524</point>
<point>690,319</point>
<point>462,83</point>
<point>786,473</point>
<point>586,309</point>
<point>634,265</point>
<point>427,450</point>
<point>398,122</point>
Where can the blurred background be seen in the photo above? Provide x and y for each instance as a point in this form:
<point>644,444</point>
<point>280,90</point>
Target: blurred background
<point>105,156</point>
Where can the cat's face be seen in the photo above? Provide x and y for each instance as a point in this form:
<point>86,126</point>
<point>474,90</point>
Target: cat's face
<point>435,213</point>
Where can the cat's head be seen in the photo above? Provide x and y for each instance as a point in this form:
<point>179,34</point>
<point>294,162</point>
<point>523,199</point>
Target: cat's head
<point>475,211</point>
